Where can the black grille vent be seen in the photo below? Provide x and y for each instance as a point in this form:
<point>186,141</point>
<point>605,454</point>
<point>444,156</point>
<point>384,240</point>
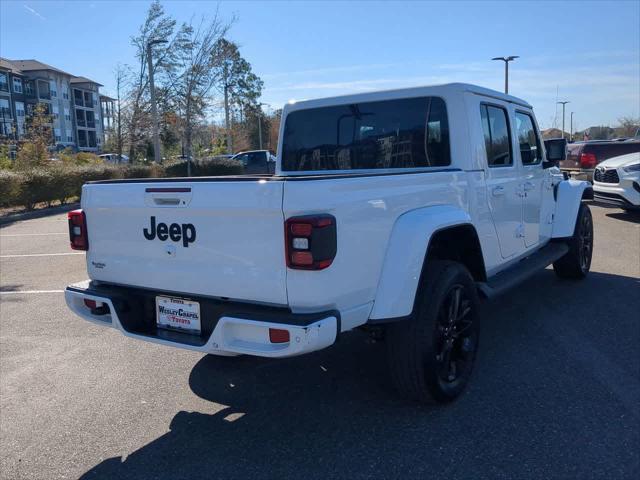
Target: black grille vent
<point>606,176</point>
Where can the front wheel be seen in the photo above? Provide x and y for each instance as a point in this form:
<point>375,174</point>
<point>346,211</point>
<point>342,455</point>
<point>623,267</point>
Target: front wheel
<point>577,261</point>
<point>431,356</point>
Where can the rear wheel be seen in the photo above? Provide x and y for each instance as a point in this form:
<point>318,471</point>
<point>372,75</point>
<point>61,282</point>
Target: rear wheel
<point>577,261</point>
<point>431,356</point>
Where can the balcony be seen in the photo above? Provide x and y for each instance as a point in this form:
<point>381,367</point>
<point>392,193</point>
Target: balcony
<point>91,124</point>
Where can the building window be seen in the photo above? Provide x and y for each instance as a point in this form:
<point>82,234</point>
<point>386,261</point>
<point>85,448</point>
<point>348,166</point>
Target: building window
<point>91,123</point>
<point>19,109</point>
<point>67,115</point>
<point>80,119</point>
<point>17,85</point>
<point>82,138</point>
<point>28,87</point>
<point>65,92</point>
<point>55,111</point>
<point>69,138</point>
<point>53,88</point>
<point>77,97</point>
<point>92,138</point>
<point>20,128</point>
<point>57,135</point>
<point>5,112</point>
<point>4,85</point>
<point>88,101</point>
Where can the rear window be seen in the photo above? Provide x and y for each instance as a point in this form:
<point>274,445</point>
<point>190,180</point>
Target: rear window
<point>403,133</point>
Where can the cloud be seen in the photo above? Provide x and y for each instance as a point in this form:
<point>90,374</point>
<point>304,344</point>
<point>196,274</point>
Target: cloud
<point>33,11</point>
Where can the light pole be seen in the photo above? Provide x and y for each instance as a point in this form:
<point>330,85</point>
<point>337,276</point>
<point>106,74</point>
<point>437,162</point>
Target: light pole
<point>154,108</point>
<point>506,61</point>
<point>563,104</point>
<point>260,123</point>
<point>571,128</point>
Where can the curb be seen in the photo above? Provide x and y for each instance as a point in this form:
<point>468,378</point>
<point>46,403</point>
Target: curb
<point>44,212</point>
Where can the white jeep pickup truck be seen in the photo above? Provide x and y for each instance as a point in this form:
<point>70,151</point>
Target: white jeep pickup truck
<point>390,211</point>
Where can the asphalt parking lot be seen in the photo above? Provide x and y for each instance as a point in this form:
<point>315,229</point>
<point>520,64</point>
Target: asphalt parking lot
<point>556,393</point>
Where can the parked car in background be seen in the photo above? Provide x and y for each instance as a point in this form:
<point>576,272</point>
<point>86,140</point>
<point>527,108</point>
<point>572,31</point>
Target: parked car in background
<point>582,157</point>
<point>256,161</point>
<point>617,181</point>
<point>113,158</point>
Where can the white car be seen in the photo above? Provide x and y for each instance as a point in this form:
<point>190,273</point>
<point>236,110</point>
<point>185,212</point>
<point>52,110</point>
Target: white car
<point>616,181</point>
<point>114,158</point>
<point>391,212</point>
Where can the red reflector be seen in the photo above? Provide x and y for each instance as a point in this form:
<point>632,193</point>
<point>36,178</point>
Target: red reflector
<point>301,258</point>
<point>301,229</point>
<point>90,303</point>
<point>588,160</point>
<point>277,335</point>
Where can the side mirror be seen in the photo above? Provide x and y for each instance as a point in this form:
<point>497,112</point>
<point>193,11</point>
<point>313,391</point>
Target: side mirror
<point>556,151</point>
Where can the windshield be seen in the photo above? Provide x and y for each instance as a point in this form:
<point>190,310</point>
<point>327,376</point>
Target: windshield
<point>370,135</point>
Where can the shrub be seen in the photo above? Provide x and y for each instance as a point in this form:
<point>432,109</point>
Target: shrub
<point>35,187</point>
<point>10,183</point>
<point>209,167</point>
<point>143,171</point>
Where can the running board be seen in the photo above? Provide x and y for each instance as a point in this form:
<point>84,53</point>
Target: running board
<point>522,270</point>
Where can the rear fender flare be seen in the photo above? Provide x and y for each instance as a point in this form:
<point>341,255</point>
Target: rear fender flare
<point>405,256</point>
<point>569,194</point>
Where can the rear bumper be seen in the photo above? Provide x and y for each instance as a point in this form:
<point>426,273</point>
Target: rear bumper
<point>230,328</point>
<point>585,174</point>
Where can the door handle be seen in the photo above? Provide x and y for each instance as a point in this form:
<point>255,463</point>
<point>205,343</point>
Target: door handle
<point>497,191</point>
<point>528,186</point>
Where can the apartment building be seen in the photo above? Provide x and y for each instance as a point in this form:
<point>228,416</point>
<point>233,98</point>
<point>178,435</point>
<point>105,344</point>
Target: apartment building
<point>71,101</point>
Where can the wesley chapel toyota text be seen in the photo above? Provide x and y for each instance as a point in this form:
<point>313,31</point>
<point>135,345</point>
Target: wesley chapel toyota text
<point>392,211</point>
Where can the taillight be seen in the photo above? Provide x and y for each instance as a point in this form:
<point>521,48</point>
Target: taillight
<point>310,241</point>
<point>588,160</point>
<point>78,230</point>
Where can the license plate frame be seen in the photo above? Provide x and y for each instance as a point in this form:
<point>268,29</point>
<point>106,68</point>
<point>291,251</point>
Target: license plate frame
<point>178,314</point>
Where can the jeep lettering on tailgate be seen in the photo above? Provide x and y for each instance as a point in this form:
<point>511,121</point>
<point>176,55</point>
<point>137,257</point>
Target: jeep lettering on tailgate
<point>185,232</point>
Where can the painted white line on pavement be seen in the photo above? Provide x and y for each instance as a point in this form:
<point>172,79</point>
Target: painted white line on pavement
<point>32,234</point>
<point>41,255</point>
<point>18,292</point>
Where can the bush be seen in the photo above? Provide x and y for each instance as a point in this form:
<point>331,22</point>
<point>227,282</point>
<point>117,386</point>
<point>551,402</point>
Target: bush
<point>63,180</point>
<point>10,183</point>
<point>36,186</point>
<point>208,167</point>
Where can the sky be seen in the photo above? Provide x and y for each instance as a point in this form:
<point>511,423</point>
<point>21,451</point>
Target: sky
<point>585,52</point>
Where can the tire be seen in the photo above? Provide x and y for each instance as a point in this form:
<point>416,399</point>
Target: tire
<point>430,357</point>
<point>577,261</point>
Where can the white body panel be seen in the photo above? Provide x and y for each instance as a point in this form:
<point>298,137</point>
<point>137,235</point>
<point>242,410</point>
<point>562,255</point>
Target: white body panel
<point>238,251</point>
<point>384,221</point>
<point>627,186</point>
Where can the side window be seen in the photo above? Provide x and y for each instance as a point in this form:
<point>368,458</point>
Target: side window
<point>530,150</point>
<point>497,137</point>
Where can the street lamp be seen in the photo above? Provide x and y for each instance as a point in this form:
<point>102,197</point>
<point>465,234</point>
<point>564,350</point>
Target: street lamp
<point>563,104</point>
<point>260,122</point>
<point>571,129</point>
<point>506,61</point>
<point>154,108</point>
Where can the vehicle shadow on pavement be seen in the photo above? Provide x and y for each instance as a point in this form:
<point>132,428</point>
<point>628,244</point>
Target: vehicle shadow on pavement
<point>632,216</point>
<point>333,414</point>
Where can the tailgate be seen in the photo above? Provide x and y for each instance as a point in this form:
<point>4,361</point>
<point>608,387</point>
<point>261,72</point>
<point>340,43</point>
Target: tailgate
<point>214,238</point>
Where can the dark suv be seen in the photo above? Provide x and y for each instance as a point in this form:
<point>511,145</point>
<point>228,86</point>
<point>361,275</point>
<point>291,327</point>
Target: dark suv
<point>582,157</point>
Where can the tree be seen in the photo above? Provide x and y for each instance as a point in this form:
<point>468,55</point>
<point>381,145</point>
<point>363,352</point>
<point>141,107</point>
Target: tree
<point>195,73</point>
<point>628,126</point>
<point>239,85</point>
<point>34,151</point>
<point>157,25</point>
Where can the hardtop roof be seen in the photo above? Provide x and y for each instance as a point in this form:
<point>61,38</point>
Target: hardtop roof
<point>406,93</point>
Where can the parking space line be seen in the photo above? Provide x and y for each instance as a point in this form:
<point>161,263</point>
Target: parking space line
<point>32,234</point>
<point>18,292</point>
<point>42,255</point>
